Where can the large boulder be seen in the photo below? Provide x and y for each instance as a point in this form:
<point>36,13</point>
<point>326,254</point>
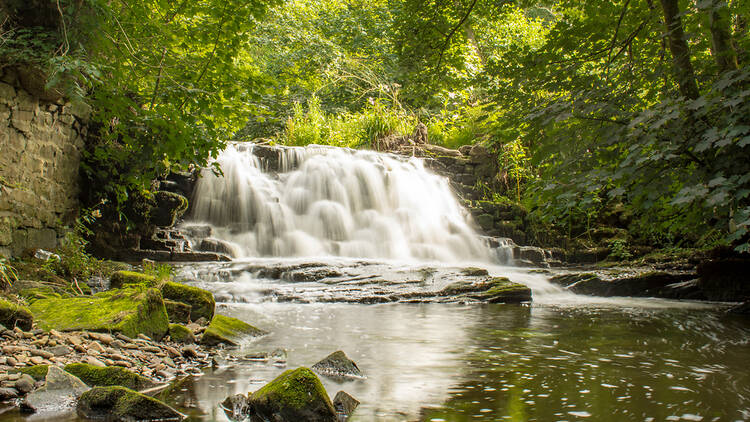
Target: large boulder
<point>338,365</point>
<point>117,403</point>
<point>108,376</point>
<point>228,330</point>
<point>295,395</point>
<point>201,301</point>
<point>122,279</point>
<point>59,393</point>
<point>12,315</point>
<point>131,311</point>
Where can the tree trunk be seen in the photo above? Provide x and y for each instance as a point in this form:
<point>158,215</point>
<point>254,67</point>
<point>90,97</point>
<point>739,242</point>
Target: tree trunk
<point>683,68</point>
<point>721,39</point>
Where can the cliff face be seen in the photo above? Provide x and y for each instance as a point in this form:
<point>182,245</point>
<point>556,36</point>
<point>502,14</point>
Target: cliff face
<point>41,138</point>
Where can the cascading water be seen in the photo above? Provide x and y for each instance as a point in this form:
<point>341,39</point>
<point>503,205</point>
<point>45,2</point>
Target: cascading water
<point>327,201</point>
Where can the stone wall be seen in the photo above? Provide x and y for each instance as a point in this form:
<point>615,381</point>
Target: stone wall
<point>41,138</point>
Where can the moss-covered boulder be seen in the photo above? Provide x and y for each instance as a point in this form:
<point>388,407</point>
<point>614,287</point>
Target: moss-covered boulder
<point>117,403</point>
<point>59,393</point>
<point>13,315</point>
<point>295,395</point>
<point>505,291</point>
<point>181,334</point>
<point>33,294</point>
<point>228,330</point>
<point>168,207</point>
<point>38,372</point>
<point>178,312</point>
<point>131,311</point>
<point>122,279</point>
<point>201,301</point>
<point>108,376</point>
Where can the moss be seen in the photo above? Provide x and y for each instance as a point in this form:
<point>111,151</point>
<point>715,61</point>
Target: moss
<point>297,394</point>
<point>506,291</point>
<point>36,293</point>
<point>168,208</point>
<point>14,315</point>
<point>474,271</point>
<point>130,311</point>
<point>178,312</point>
<point>111,375</point>
<point>120,403</point>
<point>38,372</point>
<point>181,334</point>
<point>123,278</point>
<point>201,302</point>
<point>228,330</point>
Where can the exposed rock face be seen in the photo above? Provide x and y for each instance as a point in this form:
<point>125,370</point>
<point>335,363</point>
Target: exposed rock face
<point>41,141</point>
<point>60,392</point>
<point>130,311</point>
<point>228,330</point>
<point>295,395</point>
<point>645,284</point>
<point>338,365</point>
<point>123,404</point>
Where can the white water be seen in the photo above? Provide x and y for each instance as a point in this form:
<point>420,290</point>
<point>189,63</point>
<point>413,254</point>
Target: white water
<point>330,201</point>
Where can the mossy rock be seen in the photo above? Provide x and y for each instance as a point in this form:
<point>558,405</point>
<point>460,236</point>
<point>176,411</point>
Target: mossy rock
<point>505,291</point>
<point>228,330</point>
<point>122,279</point>
<point>181,334</point>
<point>178,312</point>
<point>38,372</point>
<point>201,301</point>
<point>295,395</point>
<point>108,376</point>
<point>474,271</point>
<point>131,311</point>
<point>168,208</point>
<point>13,315</point>
<point>36,293</point>
<point>117,403</point>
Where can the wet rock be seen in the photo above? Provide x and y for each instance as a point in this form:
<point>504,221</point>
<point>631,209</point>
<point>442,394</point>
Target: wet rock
<point>37,372</point>
<point>181,334</point>
<point>201,302</point>
<point>108,376</point>
<point>228,330</point>
<point>13,315</point>
<point>130,311</point>
<point>189,352</point>
<point>647,284</point>
<point>169,206</point>
<point>60,392</point>
<point>344,404</point>
<point>178,312</point>
<point>218,246</point>
<point>338,365</point>
<point>503,290</point>
<point>122,404</point>
<point>25,384</point>
<point>295,395</point>
<point>236,407</point>
<point>741,309</point>
<point>725,279</point>
<point>474,272</point>
<point>197,231</point>
<point>7,393</point>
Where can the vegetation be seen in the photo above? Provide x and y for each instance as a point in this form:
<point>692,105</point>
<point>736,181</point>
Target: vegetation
<point>589,107</point>
<point>228,330</point>
<point>108,376</point>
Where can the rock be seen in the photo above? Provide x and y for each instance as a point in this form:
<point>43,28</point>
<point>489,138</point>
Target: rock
<point>43,255</point>
<point>724,279</point>
<point>94,362</point>
<point>25,384</point>
<point>741,309</point>
<point>178,312</point>
<point>169,206</point>
<point>8,393</point>
<point>218,246</point>
<point>60,392</point>
<point>228,330</point>
<point>102,337</point>
<point>504,291</point>
<point>236,407</point>
<point>647,284</point>
<point>201,302</point>
<point>338,365</point>
<point>95,347</point>
<point>531,254</point>
<point>197,231</point>
<point>344,404</point>
<point>474,272</point>
<point>122,279</point>
<point>117,403</point>
<point>12,315</point>
<point>295,395</point>
<point>130,311</point>
<point>60,350</point>
<point>108,376</point>
<point>37,372</point>
<point>189,352</point>
<point>181,334</point>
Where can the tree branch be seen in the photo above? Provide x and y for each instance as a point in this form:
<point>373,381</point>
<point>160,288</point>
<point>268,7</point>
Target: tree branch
<point>453,31</point>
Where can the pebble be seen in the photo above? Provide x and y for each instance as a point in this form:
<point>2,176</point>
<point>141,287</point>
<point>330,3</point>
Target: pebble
<point>104,338</point>
<point>61,350</point>
<point>123,337</point>
<point>118,344</point>
<point>42,353</point>
<point>56,334</point>
<point>123,363</point>
<point>131,346</point>
<point>172,352</point>
<point>95,362</point>
<point>14,377</point>
<point>36,360</point>
<point>144,337</point>
<point>25,384</point>
<point>96,347</point>
<point>75,340</point>
<point>151,349</point>
<point>189,352</point>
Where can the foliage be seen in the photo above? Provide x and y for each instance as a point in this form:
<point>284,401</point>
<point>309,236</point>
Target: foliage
<point>619,250</point>
<point>160,271</point>
<point>8,274</point>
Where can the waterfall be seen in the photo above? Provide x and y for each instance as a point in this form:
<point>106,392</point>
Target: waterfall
<point>328,201</point>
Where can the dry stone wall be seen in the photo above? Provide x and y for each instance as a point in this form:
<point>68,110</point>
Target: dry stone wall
<point>40,147</point>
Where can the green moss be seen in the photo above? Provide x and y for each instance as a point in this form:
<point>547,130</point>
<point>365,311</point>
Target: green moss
<point>506,291</point>
<point>201,302</point>
<point>178,312</point>
<point>297,394</point>
<point>228,330</point>
<point>14,315</point>
<point>123,278</point>
<point>37,293</point>
<point>120,403</point>
<point>111,375</point>
<point>181,334</point>
<point>38,372</point>
<point>474,271</point>
<point>130,311</point>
